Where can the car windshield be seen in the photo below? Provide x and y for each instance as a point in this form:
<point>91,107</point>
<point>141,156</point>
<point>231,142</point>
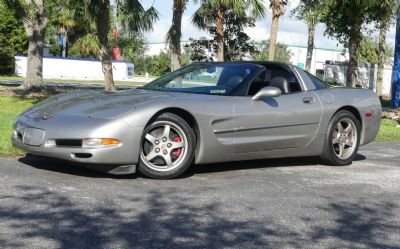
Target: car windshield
<point>206,78</point>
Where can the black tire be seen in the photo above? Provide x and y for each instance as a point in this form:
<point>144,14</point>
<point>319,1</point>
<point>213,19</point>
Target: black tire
<point>150,168</point>
<point>331,148</point>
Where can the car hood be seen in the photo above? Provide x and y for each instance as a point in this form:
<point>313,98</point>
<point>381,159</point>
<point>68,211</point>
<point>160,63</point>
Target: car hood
<point>97,104</point>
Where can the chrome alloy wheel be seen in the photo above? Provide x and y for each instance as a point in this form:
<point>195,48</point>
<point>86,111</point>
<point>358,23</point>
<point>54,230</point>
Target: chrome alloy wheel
<point>164,146</point>
<point>344,138</point>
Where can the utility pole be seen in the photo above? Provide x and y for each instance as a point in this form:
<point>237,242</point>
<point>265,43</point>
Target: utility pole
<point>396,66</point>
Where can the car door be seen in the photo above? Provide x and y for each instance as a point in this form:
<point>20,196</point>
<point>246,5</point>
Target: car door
<point>288,121</point>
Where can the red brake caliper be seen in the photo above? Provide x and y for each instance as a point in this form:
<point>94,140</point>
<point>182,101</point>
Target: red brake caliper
<point>177,152</point>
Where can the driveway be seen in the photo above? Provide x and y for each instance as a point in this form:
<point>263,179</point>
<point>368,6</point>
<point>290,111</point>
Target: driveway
<point>291,203</point>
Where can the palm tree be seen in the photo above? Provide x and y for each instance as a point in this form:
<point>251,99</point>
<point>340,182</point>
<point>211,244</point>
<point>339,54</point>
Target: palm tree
<point>174,34</point>
<point>213,11</point>
<point>309,12</point>
<point>278,9</point>
<point>134,18</point>
<point>66,19</point>
<point>35,17</point>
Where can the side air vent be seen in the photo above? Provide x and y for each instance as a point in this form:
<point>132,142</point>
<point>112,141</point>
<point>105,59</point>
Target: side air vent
<point>82,155</point>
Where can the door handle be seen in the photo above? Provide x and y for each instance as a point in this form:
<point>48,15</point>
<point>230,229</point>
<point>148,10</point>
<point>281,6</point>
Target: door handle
<point>308,100</point>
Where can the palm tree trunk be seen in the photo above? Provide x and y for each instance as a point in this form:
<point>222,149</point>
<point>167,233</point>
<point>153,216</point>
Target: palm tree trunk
<point>103,28</point>
<point>354,44</point>
<point>351,79</point>
<point>273,38</point>
<point>64,45</point>
<point>35,31</point>
<point>310,46</point>
<point>220,34</point>
<point>381,58</point>
<point>176,33</point>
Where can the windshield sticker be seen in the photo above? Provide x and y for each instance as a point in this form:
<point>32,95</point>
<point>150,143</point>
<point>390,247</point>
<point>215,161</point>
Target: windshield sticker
<point>218,91</point>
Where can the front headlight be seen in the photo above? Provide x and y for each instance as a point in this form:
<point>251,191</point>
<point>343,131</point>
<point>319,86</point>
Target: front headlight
<point>100,142</point>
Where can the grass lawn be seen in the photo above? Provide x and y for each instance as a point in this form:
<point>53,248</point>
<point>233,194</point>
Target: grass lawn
<point>14,78</point>
<point>388,131</point>
<point>12,106</point>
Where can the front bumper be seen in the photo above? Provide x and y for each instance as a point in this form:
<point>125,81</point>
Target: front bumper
<point>119,159</point>
<point>100,160</point>
<point>94,156</point>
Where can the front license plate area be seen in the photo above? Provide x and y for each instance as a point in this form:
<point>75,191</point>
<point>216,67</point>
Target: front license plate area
<point>33,137</point>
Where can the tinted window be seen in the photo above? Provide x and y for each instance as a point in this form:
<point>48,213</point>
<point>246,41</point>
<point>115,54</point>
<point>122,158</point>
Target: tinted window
<point>206,78</point>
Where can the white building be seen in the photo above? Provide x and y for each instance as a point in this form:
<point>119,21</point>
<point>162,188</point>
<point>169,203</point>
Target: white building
<point>75,68</point>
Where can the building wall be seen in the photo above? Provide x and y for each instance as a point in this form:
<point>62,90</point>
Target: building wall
<point>320,56</point>
<point>75,69</point>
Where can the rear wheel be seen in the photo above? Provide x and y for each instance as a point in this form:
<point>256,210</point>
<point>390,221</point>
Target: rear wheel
<point>343,139</point>
<point>167,149</point>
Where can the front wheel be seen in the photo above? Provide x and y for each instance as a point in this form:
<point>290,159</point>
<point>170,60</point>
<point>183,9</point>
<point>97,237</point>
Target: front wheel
<point>167,148</point>
<point>342,140</point>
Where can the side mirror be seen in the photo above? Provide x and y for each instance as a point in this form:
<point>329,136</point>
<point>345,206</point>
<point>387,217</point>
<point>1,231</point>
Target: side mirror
<point>269,91</point>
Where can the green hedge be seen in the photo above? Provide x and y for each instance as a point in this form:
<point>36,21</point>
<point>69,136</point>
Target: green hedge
<point>7,63</point>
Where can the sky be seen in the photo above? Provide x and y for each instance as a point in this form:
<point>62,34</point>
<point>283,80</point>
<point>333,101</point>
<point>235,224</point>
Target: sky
<point>291,31</point>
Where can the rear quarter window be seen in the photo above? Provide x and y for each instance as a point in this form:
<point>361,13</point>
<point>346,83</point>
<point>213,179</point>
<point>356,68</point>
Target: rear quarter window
<point>319,84</point>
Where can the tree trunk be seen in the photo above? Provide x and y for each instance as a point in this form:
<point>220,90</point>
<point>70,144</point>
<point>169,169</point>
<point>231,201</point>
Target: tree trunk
<point>103,28</point>
<point>273,38</point>
<point>354,44</point>
<point>64,45</point>
<point>381,59</point>
<point>220,34</point>
<point>175,43</point>
<point>35,31</point>
<point>34,72</point>
<point>310,46</point>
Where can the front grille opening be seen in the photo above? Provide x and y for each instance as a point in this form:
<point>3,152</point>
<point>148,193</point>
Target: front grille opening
<point>19,136</point>
<point>82,155</point>
<point>69,142</point>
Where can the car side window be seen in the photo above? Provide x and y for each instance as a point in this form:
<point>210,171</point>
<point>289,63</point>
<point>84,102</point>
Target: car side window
<point>264,79</point>
<point>294,84</point>
<point>259,82</point>
<point>319,84</point>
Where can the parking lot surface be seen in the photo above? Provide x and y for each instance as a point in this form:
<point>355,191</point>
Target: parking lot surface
<point>286,203</point>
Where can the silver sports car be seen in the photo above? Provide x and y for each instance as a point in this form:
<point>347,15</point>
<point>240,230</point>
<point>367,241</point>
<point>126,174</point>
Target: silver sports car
<point>203,113</point>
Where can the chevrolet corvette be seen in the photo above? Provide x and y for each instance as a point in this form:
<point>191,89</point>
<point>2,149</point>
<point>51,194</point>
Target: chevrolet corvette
<point>202,113</point>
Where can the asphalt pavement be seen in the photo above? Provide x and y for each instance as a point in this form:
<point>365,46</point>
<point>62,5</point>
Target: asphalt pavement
<point>286,203</point>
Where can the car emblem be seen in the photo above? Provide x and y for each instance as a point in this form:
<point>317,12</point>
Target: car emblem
<point>47,117</point>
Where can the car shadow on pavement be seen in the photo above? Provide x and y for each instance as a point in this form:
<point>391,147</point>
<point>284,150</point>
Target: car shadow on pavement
<point>50,164</point>
<point>258,164</point>
<point>255,164</point>
<point>71,169</point>
<point>360,157</point>
<point>41,217</point>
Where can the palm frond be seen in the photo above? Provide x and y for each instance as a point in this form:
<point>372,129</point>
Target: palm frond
<point>257,8</point>
<point>204,16</point>
<point>136,18</point>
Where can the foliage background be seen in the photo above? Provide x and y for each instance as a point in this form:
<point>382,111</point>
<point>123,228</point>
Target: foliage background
<point>12,39</point>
